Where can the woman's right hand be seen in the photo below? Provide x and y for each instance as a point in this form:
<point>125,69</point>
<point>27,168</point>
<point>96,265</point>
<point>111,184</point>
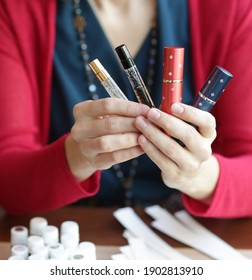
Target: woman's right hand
<point>104,133</point>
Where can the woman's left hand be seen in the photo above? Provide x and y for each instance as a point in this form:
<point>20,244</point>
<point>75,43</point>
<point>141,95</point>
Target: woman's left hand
<point>191,169</point>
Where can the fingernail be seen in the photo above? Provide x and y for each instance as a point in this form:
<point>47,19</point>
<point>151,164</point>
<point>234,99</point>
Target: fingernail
<point>177,108</point>
<point>153,114</point>
<point>141,123</point>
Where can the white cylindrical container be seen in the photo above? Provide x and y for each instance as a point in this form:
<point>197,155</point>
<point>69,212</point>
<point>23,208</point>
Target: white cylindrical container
<point>37,225</point>
<point>89,249</point>
<point>60,254</point>
<point>77,255</point>
<point>69,227</point>
<point>36,257</point>
<point>19,235</point>
<point>69,241</point>
<point>15,258</point>
<point>50,235</point>
<point>20,250</point>
<point>40,250</point>
<point>53,248</point>
<point>34,240</point>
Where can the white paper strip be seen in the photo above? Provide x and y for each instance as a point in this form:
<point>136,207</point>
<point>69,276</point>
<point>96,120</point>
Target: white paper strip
<point>127,234</point>
<point>136,245</point>
<point>126,250</point>
<point>141,251</point>
<point>196,227</point>
<point>209,244</point>
<point>118,257</point>
<point>131,221</point>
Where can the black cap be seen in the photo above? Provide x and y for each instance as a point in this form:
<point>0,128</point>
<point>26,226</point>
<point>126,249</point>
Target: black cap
<point>125,56</point>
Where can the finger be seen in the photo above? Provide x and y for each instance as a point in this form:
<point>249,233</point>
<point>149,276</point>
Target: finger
<point>105,161</point>
<point>109,143</point>
<point>203,120</point>
<point>109,106</point>
<point>166,145</point>
<point>167,166</point>
<point>92,128</point>
<point>177,128</point>
<point>157,156</point>
<point>172,174</point>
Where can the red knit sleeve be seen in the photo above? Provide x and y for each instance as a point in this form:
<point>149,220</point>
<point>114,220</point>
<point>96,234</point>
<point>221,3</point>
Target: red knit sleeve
<point>34,176</point>
<point>233,146</point>
<point>37,180</point>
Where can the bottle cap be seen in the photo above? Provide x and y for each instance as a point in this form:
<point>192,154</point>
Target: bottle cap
<point>99,71</point>
<point>69,227</point>
<point>124,56</point>
<point>78,255</point>
<point>89,249</point>
<point>34,240</point>
<point>40,250</point>
<point>15,258</point>
<point>19,235</point>
<point>20,250</point>
<point>53,248</point>
<point>69,241</point>
<point>37,225</point>
<point>173,64</point>
<point>50,235</point>
<point>215,84</point>
<point>60,254</point>
<point>35,257</point>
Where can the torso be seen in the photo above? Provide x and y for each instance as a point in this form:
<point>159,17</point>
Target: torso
<point>131,24</point>
<point>70,83</point>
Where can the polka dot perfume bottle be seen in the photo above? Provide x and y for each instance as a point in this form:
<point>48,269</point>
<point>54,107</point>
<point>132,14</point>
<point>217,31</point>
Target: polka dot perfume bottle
<point>212,89</point>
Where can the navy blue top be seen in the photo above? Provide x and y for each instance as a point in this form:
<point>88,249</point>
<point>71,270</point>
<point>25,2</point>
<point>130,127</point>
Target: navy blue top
<point>70,86</point>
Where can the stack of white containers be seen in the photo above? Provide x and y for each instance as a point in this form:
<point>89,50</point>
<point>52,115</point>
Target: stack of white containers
<point>46,242</point>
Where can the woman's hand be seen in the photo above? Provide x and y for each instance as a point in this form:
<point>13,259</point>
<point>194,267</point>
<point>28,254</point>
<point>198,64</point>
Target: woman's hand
<point>191,169</point>
<point>104,134</point>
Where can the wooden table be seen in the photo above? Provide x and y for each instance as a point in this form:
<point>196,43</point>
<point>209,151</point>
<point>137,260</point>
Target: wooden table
<point>99,226</point>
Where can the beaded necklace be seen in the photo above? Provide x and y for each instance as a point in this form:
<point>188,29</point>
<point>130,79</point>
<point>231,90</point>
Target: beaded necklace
<point>80,23</point>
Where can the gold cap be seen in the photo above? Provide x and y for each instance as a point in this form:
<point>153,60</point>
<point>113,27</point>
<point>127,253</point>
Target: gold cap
<point>99,71</point>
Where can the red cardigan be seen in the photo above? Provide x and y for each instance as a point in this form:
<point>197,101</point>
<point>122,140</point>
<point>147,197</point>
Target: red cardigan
<point>35,176</point>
